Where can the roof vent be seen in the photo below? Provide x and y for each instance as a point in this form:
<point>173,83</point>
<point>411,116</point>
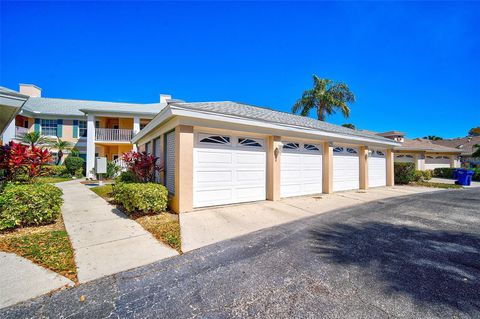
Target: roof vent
<point>165,97</point>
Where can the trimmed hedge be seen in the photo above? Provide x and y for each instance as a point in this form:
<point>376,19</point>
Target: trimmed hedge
<point>73,164</point>
<point>58,171</point>
<point>141,198</point>
<point>29,204</point>
<point>445,172</point>
<point>404,173</point>
<point>421,176</point>
<point>125,177</point>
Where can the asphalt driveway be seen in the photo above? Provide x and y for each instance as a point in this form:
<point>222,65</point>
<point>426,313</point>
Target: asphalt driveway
<point>416,256</point>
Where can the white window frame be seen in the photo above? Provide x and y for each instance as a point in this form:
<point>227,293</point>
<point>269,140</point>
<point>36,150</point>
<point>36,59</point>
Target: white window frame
<point>48,127</point>
<point>82,129</point>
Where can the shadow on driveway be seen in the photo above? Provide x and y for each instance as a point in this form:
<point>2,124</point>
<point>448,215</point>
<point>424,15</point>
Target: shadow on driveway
<point>438,267</point>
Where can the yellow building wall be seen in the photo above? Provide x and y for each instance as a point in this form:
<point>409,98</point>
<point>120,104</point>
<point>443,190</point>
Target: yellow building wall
<point>126,123</point>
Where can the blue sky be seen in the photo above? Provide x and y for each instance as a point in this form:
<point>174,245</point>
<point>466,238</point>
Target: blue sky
<point>414,67</point>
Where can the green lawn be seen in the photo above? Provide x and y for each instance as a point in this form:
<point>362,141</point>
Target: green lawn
<point>104,191</point>
<point>53,180</point>
<point>47,246</point>
<point>437,185</point>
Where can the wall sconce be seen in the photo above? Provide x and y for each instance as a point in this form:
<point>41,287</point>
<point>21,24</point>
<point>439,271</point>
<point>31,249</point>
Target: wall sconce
<point>278,150</point>
<point>370,153</point>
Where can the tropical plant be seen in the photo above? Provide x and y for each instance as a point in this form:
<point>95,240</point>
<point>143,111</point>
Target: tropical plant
<point>24,163</point>
<point>349,125</point>
<point>74,152</point>
<point>433,138</point>
<point>112,170</point>
<point>141,198</point>
<point>33,139</point>
<point>404,173</point>
<point>73,164</point>
<point>326,97</point>
<point>475,131</point>
<point>60,146</point>
<point>144,166</point>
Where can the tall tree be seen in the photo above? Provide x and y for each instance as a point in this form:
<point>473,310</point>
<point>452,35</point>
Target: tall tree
<point>33,138</point>
<point>475,131</point>
<point>60,146</point>
<point>433,138</point>
<point>326,97</point>
<point>477,152</point>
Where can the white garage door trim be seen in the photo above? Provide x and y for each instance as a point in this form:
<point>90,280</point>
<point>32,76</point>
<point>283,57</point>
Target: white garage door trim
<point>377,168</point>
<point>228,169</point>
<point>436,161</point>
<point>300,169</point>
<point>346,168</point>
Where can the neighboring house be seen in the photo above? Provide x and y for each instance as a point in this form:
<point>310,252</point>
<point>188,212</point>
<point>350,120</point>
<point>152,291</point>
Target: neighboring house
<point>225,152</point>
<point>11,103</point>
<point>424,153</point>
<point>466,145</point>
<point>95,128</point>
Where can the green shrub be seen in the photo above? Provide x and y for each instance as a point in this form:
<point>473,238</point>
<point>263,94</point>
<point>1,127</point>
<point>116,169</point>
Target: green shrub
<point>58,171</point>
<point>421,176</point>
<point>445,172</point>
<point>79,173</point>
<point>29,204</point>
<point>404,173</point>
<point>476,174</point>
<point>125,177</point>
<point>73,164</point>
<point>112,170</point>
<point>141,198</point>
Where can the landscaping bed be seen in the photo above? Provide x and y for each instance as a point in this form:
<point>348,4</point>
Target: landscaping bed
<point>53,179</point>
<point>164,226</point>
<point>437,185</point>
<point>47,246</point>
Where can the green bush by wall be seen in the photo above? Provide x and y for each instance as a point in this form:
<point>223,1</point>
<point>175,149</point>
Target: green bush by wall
<point>73,164</point>
<point>29,204</point>
<point>404,173</point>
<point>141,198</point>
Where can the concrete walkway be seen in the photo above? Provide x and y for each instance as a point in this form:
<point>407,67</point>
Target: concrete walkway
<point>105,241</point>
<point>203,227</point>
<point>21,279</point>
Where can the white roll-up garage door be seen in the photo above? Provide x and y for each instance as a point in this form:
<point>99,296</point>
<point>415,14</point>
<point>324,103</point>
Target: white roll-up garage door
<point>300,169</point>
<point>377,168</point>
<point>346,168</point>
<point>432,162</point>
<point>228,169</point>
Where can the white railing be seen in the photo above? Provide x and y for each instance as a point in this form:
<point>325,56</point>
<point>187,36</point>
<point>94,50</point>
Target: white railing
<point>113,135</point>
<point>20,131</point>
<point>119,162</point>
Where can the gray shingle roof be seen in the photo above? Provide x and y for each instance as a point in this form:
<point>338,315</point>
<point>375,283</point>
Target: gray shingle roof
<point>425,145</point>
<point>67,107</point>
<point>269,115</point>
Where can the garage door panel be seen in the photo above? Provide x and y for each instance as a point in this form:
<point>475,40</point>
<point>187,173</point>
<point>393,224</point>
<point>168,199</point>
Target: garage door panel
<point>251,193</point>
<point>377,169</point>
<point>214,196</point>
<point>346,169</point>
<point>250,158</point>
<point>208,157</point>
<point>251,176</point>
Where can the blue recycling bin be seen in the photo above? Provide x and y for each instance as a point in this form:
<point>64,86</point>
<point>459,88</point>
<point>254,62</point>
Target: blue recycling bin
<point>464,177</point>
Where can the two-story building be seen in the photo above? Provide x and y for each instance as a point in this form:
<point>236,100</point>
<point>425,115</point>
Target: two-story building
<point>95,128</point>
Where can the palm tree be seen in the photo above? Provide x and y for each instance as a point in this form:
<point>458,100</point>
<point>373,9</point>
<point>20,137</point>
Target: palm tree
<point>325,97</point>
<point>33,138</point>
<point>60,146</point>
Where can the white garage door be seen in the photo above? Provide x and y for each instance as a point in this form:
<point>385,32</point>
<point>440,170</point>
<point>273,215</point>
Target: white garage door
<point>432,162</point>
<point>300,169</point>
<point>404,158</point>
<point>346,168</point>
<point>377,168</point>
<point>228,169</point>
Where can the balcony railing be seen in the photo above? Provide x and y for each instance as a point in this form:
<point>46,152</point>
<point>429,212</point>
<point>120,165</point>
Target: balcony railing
<point>20,131</point>
<point>113,135</point>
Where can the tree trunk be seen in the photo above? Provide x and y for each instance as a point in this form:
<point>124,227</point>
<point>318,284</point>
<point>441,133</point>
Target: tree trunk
<point>320,114</point>
<point>60,155</point>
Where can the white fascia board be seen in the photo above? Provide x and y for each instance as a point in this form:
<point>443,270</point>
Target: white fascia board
<point>277,126</point>
<point>170,111</point>
<point>126,114</point>
<point>431,150</point>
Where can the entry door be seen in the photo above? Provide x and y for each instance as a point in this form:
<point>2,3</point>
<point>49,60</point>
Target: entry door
<point>300,169</point>
<point>228,169</point>
<point>377,168</point>
<point>346,168</point>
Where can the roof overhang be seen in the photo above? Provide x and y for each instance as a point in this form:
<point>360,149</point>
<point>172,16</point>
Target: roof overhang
<point>175,110</point>
<point>424,149</point>
<point>118,113</point>
<point>10,105</point>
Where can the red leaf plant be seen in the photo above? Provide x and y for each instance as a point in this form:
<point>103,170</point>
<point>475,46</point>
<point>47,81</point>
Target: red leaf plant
<point>144,166</point>
<point>24,162</point>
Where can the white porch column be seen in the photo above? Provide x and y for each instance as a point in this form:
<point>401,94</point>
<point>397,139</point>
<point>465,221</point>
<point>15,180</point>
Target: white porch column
<point>136,129</point>
<point>420,161</point>
<point>9,133</point>
<point>90,145</point>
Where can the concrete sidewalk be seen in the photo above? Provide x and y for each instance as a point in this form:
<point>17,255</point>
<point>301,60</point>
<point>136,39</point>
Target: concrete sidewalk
<point>21,280</point>
<point>203,227</point>
<point>105,241</point>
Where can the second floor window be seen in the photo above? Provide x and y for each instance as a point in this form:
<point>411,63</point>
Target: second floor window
<point>49,127</point>
<point>82,128</point>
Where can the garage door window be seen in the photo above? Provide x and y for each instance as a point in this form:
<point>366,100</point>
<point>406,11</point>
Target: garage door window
<point>249,142</point>
<point>311,147</point>
<point>380,153</point>
<point>352,151</point>
<point>291,146</point>
<point>338,149</point>
<point>215,139</point>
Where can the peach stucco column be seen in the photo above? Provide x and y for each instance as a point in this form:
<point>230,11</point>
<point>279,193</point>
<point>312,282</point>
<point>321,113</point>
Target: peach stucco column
<point>390,164</point>
<point>182,201</point>
<point>420,161</point>
<point>327,168</point>
<point>273,167</point>
<point>363,156</point>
